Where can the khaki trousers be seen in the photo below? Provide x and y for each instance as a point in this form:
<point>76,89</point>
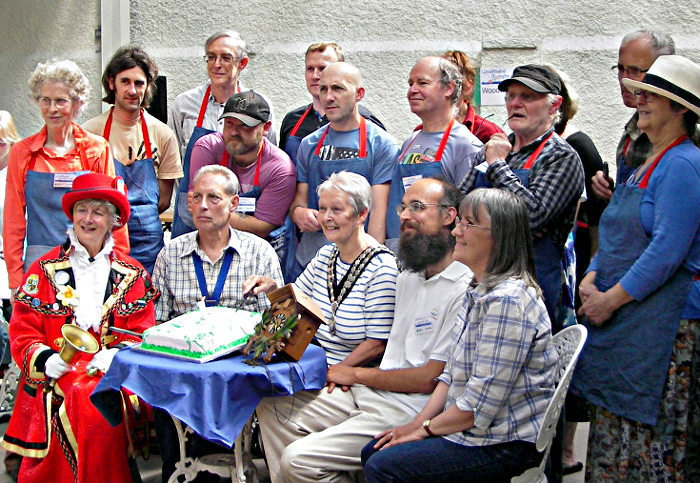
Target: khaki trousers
<point>316,436</point>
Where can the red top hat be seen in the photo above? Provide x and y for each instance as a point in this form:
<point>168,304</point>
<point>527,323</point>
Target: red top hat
<point>100,187</point>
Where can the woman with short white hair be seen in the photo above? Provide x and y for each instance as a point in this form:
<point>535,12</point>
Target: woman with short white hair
<point>42,167</point>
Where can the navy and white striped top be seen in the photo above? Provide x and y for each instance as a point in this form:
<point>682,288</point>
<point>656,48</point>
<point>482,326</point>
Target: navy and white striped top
<point>367,311</point>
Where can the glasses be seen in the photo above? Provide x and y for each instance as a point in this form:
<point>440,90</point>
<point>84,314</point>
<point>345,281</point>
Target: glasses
<point>646,95</point>
<point>226,59</point>
<point>415,207</point>
<point>619,70</point>
<point>465,225</point>
<point>60,102</point>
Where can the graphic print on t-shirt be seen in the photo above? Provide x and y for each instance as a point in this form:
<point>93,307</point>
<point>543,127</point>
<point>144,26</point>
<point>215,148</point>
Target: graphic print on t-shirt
<point>331,153</point>
<point>416,157</point>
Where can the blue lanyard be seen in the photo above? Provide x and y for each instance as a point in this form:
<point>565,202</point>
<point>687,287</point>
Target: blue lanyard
<point>212,300</point>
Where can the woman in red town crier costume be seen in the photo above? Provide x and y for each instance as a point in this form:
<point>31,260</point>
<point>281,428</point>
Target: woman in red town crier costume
<point>85,282</point>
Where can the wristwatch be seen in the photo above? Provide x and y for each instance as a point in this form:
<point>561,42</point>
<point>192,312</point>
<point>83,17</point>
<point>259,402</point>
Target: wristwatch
<point>426,426</point>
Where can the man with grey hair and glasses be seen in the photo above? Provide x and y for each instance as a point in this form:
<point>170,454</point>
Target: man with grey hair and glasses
<point>439,146</point>
<point>197,112</point>
<point>216,252</point>
<point>638,51</point>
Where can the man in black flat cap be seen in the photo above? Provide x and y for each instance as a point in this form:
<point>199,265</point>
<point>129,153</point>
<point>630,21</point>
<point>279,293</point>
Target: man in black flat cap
<point>544,171</point>
<point>537,165</point>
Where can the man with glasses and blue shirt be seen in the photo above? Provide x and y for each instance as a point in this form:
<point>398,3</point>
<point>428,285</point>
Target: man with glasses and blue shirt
<point>197,112</point>
<point>210,263</point>
<point>638,51</point>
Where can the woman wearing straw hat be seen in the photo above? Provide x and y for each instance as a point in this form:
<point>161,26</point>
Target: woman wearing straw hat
<point>634,367</point>
<point>83,282</point>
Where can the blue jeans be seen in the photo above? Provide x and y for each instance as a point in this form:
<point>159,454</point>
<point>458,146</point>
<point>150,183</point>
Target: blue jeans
<point>437,459</point>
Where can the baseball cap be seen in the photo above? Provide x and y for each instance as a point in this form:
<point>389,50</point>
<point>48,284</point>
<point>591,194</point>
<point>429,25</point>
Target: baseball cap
<point>248,107</point>
<point>536,77</point>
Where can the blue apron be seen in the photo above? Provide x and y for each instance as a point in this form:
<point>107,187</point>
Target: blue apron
<point>46,221</point>
<point>624,364</point>
<point>145,228</point>
<point>182,218</point>
<point>276,237</point>
<point>405,175</point>
<point>548,256</point>
<point>294,141</point>
<point>290,268</point>
<point>624,171</point>
<point>318,172</point>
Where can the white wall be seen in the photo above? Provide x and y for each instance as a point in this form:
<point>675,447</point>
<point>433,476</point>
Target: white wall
<point>33,31</point>
<point>384,38</point>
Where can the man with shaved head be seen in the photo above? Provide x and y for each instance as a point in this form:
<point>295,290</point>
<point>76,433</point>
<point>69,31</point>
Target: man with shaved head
<point>439,145</point>
<point>304,120</point>
<point>318,435</point>
<point>347,143</point>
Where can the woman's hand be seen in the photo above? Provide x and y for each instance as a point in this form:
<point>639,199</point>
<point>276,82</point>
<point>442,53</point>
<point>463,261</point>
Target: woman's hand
<point>102,360</point>
<point>412,431</point>
<point>596,308</point>
<point>258,284</point>
<point>586,287</point>
<point>340,374</point>
<point>599,306</point>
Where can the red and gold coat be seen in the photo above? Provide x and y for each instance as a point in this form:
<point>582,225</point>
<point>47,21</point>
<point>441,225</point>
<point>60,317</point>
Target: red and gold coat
<point>52,429</point>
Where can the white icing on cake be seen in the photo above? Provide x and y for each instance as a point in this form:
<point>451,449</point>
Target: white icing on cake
<point>202,333</point>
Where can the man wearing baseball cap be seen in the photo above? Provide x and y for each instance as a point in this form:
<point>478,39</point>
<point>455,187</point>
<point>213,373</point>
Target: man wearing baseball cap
<point>265,172</point>
<point>537,165</point>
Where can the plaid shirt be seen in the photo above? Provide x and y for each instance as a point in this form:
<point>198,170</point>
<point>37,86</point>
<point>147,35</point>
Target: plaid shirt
<point>555,184</point>
<point>502,364</point>
<point>638,150</point>
<point>175,278</point>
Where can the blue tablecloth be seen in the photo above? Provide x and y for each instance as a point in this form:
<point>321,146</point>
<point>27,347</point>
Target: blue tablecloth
<point>216,398</point>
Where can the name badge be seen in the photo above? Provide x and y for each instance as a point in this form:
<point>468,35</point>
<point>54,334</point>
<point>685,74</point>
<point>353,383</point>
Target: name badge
<point>409,180</point>
<point>246,204</point>
<point>482,167</point>
<point>64,180</point>
<point>423,325</point>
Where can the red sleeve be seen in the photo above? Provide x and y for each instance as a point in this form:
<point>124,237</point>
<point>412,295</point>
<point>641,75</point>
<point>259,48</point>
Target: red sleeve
<point>14,222</point>
<point>33,327</point>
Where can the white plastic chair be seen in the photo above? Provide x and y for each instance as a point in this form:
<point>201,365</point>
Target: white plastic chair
<point>568,343</point>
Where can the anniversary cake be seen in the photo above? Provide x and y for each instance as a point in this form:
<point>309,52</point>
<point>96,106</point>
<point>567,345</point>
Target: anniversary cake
<point>202,335</point>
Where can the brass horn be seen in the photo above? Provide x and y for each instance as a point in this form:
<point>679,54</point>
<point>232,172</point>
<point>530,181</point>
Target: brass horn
<point>75,340</point>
